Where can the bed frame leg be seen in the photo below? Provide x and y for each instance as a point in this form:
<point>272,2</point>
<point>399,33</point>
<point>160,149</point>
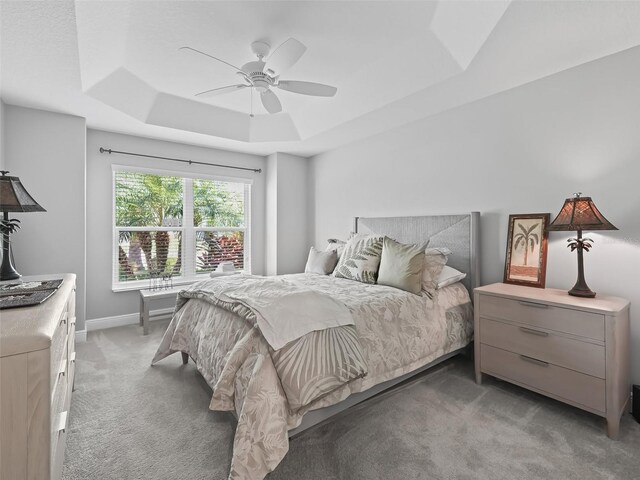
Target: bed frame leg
<point>185,358</point>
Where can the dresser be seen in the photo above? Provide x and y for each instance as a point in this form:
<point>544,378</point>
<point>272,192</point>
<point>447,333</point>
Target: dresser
<point>37,365</point>
<point>572,349</point>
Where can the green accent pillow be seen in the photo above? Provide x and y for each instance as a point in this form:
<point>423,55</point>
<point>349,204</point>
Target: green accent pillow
<point>360,259</point>
<point>401,266</point>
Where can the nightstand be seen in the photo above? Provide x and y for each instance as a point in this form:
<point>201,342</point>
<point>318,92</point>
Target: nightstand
<point>572,349</point>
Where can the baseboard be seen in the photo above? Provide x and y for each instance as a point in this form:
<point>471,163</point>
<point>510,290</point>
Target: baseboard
<point>81,336</point>
<point>128,319</point>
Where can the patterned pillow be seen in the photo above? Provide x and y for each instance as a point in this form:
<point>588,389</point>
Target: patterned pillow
<point>360,259</point>
<point>434,261</point>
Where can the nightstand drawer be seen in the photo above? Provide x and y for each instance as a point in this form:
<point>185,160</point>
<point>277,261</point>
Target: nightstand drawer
<point>536,314</point>
<point>563,383</point>
<point>544,345</point>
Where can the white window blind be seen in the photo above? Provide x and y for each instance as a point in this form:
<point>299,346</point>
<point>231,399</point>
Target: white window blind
<point>166,223</point>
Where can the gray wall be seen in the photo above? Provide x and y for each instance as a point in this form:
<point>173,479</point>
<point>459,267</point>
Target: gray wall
<point>521,151</point>
<point>47,151</point>
<point>293,239</point>
<point>101,300</point>
<point>271,215</point>
<point>2,154</point>
<point>287,240</point>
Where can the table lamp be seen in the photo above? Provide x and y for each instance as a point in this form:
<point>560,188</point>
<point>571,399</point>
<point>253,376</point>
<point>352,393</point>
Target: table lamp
<point>578,214</point>
<point>13,198</point>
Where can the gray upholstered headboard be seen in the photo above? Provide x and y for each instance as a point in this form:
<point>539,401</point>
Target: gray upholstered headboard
<point>459,233</point>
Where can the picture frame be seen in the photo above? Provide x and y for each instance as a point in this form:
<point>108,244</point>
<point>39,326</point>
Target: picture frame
<point>526,258</point>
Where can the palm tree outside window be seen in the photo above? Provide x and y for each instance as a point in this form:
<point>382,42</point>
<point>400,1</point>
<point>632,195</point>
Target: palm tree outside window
<point>172,224</point>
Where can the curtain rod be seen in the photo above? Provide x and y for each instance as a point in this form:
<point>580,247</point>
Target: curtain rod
<point>190,162</point>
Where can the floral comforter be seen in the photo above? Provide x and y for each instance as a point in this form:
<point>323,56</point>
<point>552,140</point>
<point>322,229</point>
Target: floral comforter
<point>397,331</point>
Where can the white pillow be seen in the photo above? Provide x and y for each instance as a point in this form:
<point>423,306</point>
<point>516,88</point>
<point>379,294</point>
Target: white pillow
<point>434,261</point>
<point>449,276</point>
<point>335,245</point>
<point>321,262</point>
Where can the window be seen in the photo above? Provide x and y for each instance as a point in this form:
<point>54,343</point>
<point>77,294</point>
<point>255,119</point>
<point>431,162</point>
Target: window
<point>166,223</point>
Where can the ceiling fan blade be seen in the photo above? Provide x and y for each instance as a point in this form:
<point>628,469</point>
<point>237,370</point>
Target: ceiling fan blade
<point>211,56</point>
<point>284,57</point>
<point>307,88</point>
<point>220,91</point>
<point>270,102</point>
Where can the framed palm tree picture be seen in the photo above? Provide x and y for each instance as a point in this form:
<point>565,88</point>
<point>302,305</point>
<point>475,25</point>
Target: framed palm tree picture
<point>526,260</point>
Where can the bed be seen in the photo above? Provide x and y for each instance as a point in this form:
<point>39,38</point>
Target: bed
<point>399,334</point>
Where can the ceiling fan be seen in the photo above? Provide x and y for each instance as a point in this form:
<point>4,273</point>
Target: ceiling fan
<point>264,75</point>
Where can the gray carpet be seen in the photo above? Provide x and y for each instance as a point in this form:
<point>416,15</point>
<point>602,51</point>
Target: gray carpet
<point>133,421</point>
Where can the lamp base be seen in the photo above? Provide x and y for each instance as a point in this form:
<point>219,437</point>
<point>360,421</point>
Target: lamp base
<point>7,272</point>
<point>582,291</point>
<point>9,275</point>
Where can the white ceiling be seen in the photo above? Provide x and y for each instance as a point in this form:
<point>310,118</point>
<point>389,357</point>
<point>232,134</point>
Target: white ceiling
<point>118,64</point>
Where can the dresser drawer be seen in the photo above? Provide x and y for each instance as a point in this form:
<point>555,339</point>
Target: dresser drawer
<point>58,410</point>
<point>584,357</point>
<point>58,442</point>
<point>71,341</point>
<point>59,344</point>
<point>576,387</point>
<point>57,460</point>
<point>71,378</point>
<point>60,379</point>
<point>71,309</point>
<point>566,320</point>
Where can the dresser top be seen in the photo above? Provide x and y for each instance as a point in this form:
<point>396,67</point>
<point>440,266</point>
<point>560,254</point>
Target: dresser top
<point>602,304</point>
<point>27,329</point>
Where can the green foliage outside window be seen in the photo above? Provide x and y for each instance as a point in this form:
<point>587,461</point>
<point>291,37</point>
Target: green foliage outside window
<point>147,200</point>
<point>218,204</point>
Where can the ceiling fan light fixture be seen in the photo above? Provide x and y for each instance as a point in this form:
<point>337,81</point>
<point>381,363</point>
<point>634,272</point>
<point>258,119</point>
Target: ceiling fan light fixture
<point>261,85</point>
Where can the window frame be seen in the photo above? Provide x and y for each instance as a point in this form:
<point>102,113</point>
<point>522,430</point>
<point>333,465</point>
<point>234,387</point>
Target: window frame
<point>187,229</point>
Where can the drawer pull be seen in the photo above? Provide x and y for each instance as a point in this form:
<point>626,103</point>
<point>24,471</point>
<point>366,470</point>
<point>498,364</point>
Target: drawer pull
<point>72,357</point>
<point>534,360</point>
<point>63,319</point>
<point>62,422</point>
<point>534,332</point>
<point>534,305</point>
<point>63,369</point>
<point>72,322</point>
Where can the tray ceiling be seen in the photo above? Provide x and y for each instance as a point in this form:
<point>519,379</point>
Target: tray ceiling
<point>118,63</point>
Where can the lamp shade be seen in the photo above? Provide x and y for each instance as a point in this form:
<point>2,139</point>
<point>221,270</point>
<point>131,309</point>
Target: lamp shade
<point>580,213</point>
<point>14,197</point>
